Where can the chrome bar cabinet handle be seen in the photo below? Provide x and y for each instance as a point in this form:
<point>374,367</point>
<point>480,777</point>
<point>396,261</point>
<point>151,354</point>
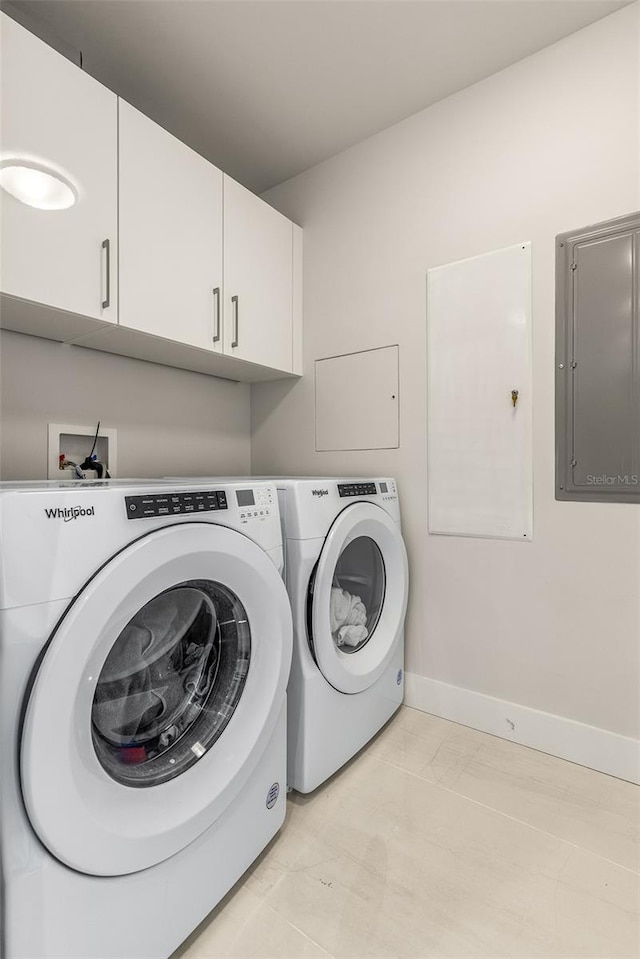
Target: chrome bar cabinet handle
<point>216,335</point>
<point>235,340</point>
<point>106,245</point>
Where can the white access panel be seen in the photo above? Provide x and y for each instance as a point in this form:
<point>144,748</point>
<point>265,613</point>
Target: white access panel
<point>479,469</point>
<point>357,401</point>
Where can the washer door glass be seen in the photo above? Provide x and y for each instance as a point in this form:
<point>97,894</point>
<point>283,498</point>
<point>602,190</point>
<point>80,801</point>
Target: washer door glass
<point>357,594</point>
<point>171,683</point>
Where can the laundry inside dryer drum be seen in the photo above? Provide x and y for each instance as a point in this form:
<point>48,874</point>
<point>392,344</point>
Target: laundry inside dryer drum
<point>357,594</point>
<point>171,683</point>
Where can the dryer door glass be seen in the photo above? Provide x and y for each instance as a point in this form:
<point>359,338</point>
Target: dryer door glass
<point>357,598</point>
<point>357,594</point>
<point>171,683</point>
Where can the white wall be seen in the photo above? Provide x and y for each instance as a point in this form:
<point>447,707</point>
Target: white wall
<point>169,421</point>
<point>544,146</point>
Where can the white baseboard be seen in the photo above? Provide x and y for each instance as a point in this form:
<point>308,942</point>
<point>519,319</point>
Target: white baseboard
<point>586,745</point>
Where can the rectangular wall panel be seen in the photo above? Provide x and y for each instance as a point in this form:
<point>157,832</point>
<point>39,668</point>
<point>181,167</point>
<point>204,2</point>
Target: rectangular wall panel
<point>357,401</point>
<point>598,362</point>
<point>479,468</point>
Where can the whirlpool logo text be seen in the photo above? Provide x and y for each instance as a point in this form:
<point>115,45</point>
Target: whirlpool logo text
<point>70,512</point>
<point>319,492</point>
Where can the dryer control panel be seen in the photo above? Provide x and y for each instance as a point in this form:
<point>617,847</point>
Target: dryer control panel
<point>357,489</point>
<point>174,504</point>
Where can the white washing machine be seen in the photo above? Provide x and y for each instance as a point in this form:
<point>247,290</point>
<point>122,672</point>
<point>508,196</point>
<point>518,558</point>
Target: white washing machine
<point>347,577</point>
<point>145,645</point>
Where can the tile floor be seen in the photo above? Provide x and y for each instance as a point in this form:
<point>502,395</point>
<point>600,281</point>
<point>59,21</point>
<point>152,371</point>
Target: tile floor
<point>440,841</point>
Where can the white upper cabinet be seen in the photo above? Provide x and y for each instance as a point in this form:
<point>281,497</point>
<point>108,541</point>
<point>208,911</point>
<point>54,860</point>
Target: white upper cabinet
<point>170,235</point>
<point>144,249</point>
<point>258,280</point>
<point>57,119</point>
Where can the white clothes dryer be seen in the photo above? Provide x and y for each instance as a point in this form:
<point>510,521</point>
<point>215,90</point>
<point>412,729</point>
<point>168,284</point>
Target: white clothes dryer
<point>145,645</point>
<point>347,577</point>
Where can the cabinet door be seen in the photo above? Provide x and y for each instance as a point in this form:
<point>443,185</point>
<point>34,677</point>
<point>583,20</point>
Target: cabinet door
<point>170,235</point>
<point>57,117</point>
<point>258,280</point>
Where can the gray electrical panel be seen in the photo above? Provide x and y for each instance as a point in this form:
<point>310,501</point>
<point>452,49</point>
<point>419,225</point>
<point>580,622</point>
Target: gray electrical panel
<point>598,362</point>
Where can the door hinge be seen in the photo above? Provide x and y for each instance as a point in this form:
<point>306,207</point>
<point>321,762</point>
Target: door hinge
<point>573,463</point>
<point>573,364</point>
<point>574,265</point>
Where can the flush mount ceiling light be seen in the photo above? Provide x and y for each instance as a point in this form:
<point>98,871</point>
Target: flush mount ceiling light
<point>37,185</point>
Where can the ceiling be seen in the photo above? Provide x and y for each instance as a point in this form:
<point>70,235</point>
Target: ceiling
<point>267,88</point>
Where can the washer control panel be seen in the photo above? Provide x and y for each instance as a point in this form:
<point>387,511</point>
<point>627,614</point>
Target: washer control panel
<point>174,504</point>
<point>357,489</point>
<point>388,490</point>
<point>255,504</point>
